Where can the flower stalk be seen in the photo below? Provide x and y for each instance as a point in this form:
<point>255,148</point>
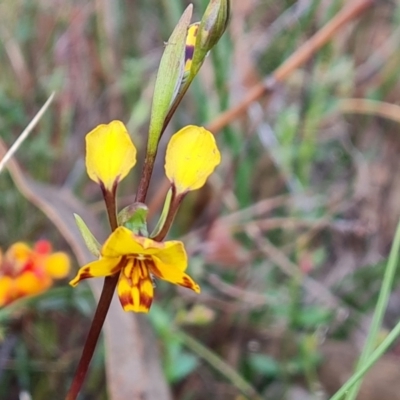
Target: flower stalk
<point>107,293</point>
<point>130,260</point>
<point>169,219</point>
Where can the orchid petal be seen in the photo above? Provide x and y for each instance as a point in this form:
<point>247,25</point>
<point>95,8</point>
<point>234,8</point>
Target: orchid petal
<point>110,154</point>
<point>102,267</point>
<point>172,274</point>
<point>135,288</point>
<point>191,157</point>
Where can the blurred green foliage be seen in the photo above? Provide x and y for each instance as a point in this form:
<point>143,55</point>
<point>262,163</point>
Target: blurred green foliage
<point>101,58</point>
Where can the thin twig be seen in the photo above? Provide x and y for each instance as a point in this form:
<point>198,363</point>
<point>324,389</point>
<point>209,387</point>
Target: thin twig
<point>353,10</point>
<point>370,107</point>
<point>378,60</point>
<point>283,23</point>
<point>242,295</point>
<point>340,225</point>
<point>25,133</point>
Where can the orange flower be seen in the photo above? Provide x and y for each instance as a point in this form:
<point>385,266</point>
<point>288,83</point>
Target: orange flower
<point>26,271</point>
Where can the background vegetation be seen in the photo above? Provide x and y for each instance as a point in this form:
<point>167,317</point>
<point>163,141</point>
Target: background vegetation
<point>289,240</point>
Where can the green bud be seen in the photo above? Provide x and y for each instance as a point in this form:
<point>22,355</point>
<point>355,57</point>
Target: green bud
<point>134,218</point>
<point>212,26</point>
<point>214,22</point>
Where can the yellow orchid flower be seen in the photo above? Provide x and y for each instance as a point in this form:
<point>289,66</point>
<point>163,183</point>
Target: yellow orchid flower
<point>137,258</point>
<point>110,154</point>
<point>192,155</point>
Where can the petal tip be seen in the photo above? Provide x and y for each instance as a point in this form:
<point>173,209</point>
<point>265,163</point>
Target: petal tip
<point>74,282</point>
<point>190,284</point>
<point>128,304</point>
<point>82,274</point>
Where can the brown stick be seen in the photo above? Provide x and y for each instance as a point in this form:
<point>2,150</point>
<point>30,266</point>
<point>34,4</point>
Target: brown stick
<point>370,107</point>
<point>351,11</point>
<point>298,58</point>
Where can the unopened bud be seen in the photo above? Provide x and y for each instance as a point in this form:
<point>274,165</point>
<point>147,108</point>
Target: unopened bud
<point>212,27</point>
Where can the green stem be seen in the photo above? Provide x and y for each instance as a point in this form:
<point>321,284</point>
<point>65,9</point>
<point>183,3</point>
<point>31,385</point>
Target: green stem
<point>393,335</point>
<point>381,306</point>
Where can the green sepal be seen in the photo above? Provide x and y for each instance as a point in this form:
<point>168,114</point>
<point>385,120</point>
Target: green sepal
<point>91,242</point>
<point>168,79</point>
<point>134,218</point>
<point>164,214</point>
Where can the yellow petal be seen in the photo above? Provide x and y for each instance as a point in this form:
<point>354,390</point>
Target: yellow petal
<point>6,290</point>
<point>28,284</point>
<point>17,256</point>
<point>110,154</point>
<point>191,157</point>
<point>124,242</point>
<point>172,274</point>
<point>18,251</point>
<point>102,267</point>
<point>173,256</point>
<point>135,288</point>
<point>57,265</point>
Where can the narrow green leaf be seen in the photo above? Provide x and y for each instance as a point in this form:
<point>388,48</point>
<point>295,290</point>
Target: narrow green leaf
<point>91,242</point>
<point>163,216</point>
<point>380,309</point>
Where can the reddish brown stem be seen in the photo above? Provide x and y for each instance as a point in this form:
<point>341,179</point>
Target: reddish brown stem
<point>111,205</point>
<point>103,306</point>
<point>107,293</point>
<point>145,178</point>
